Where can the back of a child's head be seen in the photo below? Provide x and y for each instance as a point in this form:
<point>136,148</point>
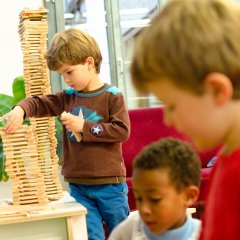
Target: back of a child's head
<point>178,157</point>
<point>73,47</point>
<point>186,41</point>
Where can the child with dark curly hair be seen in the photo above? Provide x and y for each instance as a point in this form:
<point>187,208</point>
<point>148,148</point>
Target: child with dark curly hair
<point>166,178</point>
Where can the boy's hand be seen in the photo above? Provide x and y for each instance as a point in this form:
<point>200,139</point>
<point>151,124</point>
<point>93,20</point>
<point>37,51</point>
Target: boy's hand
<point>73,124</point>
<point>15,119</point>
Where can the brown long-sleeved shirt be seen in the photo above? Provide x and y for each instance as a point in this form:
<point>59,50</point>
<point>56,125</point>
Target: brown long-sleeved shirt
<point>99,155</point>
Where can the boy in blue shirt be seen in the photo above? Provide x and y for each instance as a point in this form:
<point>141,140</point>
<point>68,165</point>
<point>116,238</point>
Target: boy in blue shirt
<point>166,178</point>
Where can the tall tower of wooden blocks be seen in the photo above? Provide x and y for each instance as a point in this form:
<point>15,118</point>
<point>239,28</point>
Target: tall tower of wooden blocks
<point>28,185</point>
<point>33,30</point>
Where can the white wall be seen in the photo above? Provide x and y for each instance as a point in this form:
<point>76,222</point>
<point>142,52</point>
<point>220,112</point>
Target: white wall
<point>11,63</point>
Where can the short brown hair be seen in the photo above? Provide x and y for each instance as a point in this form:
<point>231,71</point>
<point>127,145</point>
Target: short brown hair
<point>174,155</point>
<point>186,41</point>
<point>73,47</point>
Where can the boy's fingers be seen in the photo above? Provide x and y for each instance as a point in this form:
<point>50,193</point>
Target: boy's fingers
<point>65,116</point>
<point>2,118</point>
<point>12,126</point>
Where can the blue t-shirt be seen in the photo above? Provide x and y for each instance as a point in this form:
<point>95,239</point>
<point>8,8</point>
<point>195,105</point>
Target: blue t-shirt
<point>182,233</point>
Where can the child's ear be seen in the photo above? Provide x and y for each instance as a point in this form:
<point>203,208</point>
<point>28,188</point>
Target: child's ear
<point>220,86</point>
<point>90,62</point>
<point>191,195</point>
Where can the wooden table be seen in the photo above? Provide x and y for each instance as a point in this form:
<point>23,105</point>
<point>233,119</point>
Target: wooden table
<point>63,220</point>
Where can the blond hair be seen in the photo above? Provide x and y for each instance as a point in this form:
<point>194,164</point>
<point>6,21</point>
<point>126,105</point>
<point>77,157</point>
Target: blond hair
<point>73,47</point>
<point>187,40</point>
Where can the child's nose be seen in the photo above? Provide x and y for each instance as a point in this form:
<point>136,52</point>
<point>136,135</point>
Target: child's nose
<point>145,208</point>
<point>66,80</point>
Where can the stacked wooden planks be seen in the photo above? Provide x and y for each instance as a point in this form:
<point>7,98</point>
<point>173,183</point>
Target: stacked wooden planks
<point>20,149</point>
<point>33,31</point>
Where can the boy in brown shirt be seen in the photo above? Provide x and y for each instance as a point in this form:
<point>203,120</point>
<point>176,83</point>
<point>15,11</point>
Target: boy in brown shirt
<point>95,123</point>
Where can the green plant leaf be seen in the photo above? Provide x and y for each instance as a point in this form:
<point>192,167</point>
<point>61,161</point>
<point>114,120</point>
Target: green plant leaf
<point>5,106</point>
<point>3,174</point>
<point>58,126</point>
<point>18,88</point>
<point>5,103</point>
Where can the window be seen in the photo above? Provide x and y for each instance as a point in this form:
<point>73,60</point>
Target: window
<point>115,25</point>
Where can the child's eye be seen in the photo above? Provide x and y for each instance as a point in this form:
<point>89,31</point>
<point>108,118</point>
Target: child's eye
<point>138,199</point>
<point>171,107</point>
<point>155,200</point>
<point>69,72</point>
